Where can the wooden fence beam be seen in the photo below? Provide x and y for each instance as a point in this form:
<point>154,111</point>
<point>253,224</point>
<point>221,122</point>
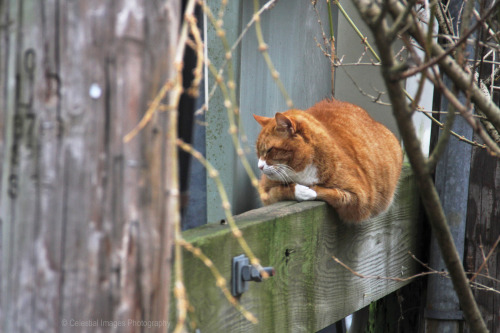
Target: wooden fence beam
<point>310,290</point>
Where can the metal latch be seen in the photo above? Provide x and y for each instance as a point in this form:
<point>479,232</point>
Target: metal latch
<point>243,272</point>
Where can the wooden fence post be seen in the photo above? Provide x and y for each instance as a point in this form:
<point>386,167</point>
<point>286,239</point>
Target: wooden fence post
<point>86,243</point>
<point>482,234</point>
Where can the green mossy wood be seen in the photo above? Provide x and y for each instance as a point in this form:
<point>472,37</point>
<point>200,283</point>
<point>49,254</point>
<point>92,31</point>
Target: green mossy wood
<point>310,290</point>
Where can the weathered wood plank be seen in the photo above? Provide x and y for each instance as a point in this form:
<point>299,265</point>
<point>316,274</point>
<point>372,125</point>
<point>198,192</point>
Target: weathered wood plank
<point>482,231</point>
<point>85,244</point>
<point>310,291</point>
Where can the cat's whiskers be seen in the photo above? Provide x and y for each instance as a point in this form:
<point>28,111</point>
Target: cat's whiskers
<point>283,172</point>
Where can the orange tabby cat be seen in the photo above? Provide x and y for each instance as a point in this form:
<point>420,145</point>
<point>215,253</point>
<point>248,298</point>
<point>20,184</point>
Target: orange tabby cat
<point>333,152</point>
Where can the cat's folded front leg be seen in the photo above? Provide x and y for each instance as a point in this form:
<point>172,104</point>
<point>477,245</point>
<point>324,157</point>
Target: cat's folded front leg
<point>272,191</point>
<point>288,192</point>
<point>351,206</point>
<point>278,193</point>
<point>333,196</point>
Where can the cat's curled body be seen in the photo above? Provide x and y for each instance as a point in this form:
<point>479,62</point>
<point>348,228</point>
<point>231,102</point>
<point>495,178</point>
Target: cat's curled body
<point>334,152</point>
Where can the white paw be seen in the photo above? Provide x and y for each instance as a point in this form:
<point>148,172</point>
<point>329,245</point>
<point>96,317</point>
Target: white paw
<point>303,193</point>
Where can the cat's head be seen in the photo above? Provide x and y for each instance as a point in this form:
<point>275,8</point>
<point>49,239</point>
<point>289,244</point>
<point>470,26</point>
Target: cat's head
<point>283,147</point>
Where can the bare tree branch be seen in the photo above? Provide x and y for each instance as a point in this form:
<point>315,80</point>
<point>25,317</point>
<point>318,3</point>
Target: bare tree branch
<point>451,68</point>
<point>371,12</point>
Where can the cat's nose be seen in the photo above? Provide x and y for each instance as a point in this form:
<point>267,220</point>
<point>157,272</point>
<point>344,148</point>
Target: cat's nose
<point>261,164</point>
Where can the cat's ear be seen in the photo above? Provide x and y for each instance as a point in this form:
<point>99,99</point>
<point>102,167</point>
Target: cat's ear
<point>263,121</point>
<point>283,123</point>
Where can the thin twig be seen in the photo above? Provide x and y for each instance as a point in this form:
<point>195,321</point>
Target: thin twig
<point>467,115</point>
<point>230,102</point>
<point>485,261</point>
<point>214,174</point>
<point>182,303</point>
<point>435,60</point>
<point>353,25</point>
<point>265,7</point>
<point>333,55</point>
<point>199,49</point>
<point>433,119</point>
<point>220,280</point>
<point>379,277</point>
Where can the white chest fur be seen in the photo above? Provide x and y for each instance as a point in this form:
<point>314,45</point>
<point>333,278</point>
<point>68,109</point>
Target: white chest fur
<point>308,176</point>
